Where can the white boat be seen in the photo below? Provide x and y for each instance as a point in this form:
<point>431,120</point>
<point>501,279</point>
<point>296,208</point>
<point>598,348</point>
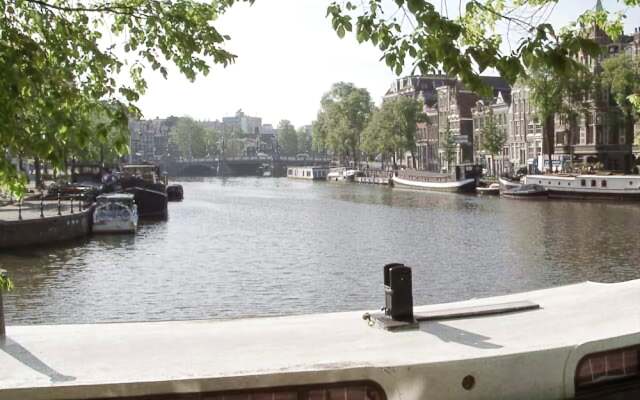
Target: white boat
<point>506,184</point>
<point>115,212</point>
<point>526,191</point>
<point>579,341</point>
<point>491,190</point>
<point>605,187</point>
<point>342,174</point>
<point>309,173</point>
<point>464,178</point>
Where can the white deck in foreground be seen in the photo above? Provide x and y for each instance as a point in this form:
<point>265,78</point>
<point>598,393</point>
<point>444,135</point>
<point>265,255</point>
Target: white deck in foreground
<point>536,351</point>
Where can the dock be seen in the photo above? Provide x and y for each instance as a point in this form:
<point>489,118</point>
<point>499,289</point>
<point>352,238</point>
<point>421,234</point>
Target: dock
<point>41,223</point>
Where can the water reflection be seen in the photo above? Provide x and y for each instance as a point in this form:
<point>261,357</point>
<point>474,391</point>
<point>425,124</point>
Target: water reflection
<point>249,246</point>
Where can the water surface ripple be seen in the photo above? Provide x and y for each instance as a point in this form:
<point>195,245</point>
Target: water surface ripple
<point>259,246</point>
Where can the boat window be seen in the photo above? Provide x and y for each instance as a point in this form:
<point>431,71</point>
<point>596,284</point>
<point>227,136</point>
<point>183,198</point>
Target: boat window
<point>583,182</point>
<point>630,183</point>
<point>345,391</point>
<point>603,183</point>
<point>607,369</point>
<point>540,182</point>
<point>593,183</point>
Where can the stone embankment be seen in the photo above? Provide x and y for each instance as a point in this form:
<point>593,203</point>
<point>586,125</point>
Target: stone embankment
<point>32,224</point>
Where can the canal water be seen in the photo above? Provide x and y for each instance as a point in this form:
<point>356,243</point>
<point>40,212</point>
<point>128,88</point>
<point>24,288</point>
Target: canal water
<point>264,246</point>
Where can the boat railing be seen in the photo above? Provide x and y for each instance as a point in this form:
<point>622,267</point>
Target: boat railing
<point>423,176</point>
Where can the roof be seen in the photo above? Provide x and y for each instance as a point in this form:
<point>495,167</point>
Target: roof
<point>120,353</point>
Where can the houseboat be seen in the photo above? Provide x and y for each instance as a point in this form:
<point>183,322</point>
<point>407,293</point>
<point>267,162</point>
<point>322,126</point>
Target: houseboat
<point>526,191</point>
<point>310,173</point>
<point>115,213</point>
<point>343,174</point>
<point>605,187</point>
<point>490,190</point>
<point>150,191</point>
<point>574,342</point>
<point>506,184</point>
<point>463,179</point>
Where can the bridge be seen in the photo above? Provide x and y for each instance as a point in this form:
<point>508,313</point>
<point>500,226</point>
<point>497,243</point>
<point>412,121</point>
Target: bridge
<point>239,166</point>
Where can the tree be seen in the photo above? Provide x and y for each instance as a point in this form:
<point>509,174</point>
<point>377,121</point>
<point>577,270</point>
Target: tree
<point>551,94</point>
<point>62,62</point>
<point>191,138</point>
<point>392,128</point>
<point>304,141</point>
<point>493,138</point>
<point>344,112</point>
<point>621,76</point>
<point>287,138</point>
<point>449,145</point>
<point>420,34</point>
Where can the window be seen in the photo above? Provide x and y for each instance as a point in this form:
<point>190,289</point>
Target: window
<point>343,391</point>
<point>607,369</point>
<point>593,183</point>
<point>603,183</point>
<point>583,182</point>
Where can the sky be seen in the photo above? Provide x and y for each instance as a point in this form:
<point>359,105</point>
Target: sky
<point>288,57</point>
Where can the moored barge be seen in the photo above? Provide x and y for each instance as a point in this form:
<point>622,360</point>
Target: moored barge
<point>150,192</point>
<point>463,179</point>
<point>587,187</point>
<point>308,173</point>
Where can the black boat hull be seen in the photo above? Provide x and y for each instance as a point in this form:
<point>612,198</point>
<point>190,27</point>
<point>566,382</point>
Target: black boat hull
<point>152,204</point>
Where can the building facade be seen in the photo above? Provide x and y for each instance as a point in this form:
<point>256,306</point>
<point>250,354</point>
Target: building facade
<point>243,123</point>
<point>447,104</point>
<point>498,111</point>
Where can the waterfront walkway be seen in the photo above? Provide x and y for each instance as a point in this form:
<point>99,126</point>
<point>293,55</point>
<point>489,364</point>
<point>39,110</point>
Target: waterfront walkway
<point>31,210</point>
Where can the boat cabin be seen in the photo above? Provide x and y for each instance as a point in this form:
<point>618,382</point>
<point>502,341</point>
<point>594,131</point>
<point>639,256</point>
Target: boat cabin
<point>310,173</point>
<point>115,198</point>
<point>589,186</point>
<point>146,172</point>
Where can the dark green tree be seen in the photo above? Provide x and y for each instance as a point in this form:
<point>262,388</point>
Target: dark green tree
<point>448,145</point>
<point>392,128</point>
<point>621,77</point>
<point>344,112</point>
<point>62,62</point>
<point>421,34</point>
<point>191,138</point>
<point>304,140</point>
<point>493,138</point>
<point>287,138</point>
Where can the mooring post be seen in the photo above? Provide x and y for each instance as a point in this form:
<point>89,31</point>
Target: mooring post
<point>71,204</point>
<point>20,210</point>
<point>41,205</point>
<point>3,331</point>
<point>59,205</point>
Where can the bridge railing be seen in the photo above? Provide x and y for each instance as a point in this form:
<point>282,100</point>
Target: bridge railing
<point>247,158</point>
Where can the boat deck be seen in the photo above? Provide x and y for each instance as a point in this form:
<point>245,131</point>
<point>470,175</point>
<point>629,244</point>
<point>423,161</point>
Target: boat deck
<point>79,361</point>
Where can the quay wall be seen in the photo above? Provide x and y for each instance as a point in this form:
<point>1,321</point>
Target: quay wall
<point>40,231</point>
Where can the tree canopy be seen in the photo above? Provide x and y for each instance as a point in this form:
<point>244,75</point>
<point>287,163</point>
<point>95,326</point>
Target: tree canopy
<point>193,140</point>
<point>419,33</point>
<point>343,115</point>
<point>392,128</point>
<point>287,138</point>
<point>62,62</point>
